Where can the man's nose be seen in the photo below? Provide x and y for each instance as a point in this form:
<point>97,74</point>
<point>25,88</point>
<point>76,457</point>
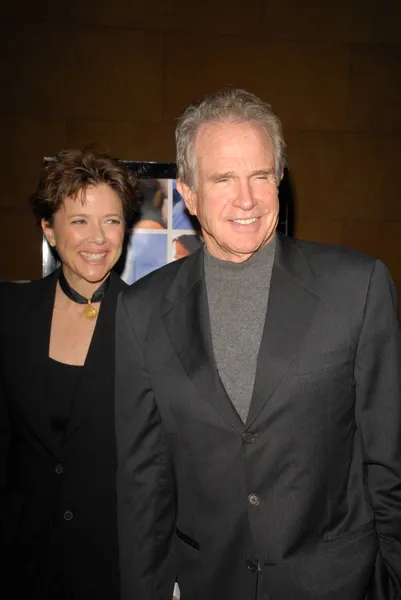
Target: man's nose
<point>244,197</point>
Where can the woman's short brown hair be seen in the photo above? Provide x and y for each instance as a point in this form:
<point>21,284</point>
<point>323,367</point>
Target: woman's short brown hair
<point>74,171</point>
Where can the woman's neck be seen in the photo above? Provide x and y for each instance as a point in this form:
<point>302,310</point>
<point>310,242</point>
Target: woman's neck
<point>81,285</point>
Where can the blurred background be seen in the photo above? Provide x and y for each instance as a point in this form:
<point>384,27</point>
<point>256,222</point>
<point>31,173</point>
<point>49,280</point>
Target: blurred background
<point>118,72</point>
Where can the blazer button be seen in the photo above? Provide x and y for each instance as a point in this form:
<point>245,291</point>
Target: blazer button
<point>59,469</point>
<point>68,515</point>
<point>248,437</point>
<point>253,499</point>
<point>251,565</point>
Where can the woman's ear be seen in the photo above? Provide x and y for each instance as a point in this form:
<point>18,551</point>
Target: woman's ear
<point>48,232</point>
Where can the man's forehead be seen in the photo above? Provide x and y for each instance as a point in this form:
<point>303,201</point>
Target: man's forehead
<point>224,142</point>
<point>209,133</point>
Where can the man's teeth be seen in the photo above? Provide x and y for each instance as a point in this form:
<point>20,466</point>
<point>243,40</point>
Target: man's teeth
<point>91,256</point>
<point>245,221</point>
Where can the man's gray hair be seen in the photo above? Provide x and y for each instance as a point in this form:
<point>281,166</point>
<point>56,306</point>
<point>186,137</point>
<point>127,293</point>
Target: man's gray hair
<point>227,106</point>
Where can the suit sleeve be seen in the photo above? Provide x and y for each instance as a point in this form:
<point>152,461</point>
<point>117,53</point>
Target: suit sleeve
<point>378,412</point>
<point>145,481</point>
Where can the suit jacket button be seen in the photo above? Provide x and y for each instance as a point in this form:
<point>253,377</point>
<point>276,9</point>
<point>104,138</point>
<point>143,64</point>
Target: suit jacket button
<point>248,437</point>
<point>59,469</point>
<point>68,515</point>
<point>251,565</point>
<point>253,499</point>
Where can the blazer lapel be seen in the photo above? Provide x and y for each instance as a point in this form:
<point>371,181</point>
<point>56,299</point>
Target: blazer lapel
<point>97,374</point>
<point>36,351</point>
<point>186,319</point>
<point>290,309</point>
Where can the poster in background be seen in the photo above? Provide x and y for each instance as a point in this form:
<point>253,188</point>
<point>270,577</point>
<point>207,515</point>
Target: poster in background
<point>164,232</point>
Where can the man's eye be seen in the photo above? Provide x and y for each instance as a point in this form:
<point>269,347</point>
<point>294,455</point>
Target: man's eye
<point>114,221</point>
<point>78,222</point>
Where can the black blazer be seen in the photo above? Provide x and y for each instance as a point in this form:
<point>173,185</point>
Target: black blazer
<point>309,488</point>
<point>39,480</point>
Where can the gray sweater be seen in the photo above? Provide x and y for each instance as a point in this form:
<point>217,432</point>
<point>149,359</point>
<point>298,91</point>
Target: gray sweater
<point>237,296</point>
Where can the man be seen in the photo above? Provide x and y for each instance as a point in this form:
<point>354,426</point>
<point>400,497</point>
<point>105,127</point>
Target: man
<point>258,394</point>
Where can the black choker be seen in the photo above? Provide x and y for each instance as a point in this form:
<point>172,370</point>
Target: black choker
<point>90,311</point>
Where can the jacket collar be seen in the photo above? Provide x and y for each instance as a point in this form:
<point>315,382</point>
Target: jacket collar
<point>290,309</point>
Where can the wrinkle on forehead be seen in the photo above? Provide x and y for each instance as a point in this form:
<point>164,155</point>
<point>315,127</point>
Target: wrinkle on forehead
<point>243,146</point>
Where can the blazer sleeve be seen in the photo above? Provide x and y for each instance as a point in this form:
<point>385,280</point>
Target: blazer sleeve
<point>4,446</point>
<point>378,412</point>
<point>4,432</point>
<point>4,437</point>
<point>145,481</point>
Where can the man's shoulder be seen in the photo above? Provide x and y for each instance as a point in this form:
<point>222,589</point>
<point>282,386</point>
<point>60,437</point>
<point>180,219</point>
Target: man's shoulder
<point>339,270</point>
<point>156,283</point>
<point>324,256</point>
<point>144,300</point>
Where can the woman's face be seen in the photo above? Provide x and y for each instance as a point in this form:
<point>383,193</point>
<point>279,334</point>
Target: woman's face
<point>88,234</point>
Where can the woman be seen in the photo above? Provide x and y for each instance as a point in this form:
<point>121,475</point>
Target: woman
<point>57,444</point>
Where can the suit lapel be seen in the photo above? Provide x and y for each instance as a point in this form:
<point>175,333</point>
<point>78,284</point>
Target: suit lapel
<point>290,309</point>
<point>186,320</point>
<point>97,374</point>
<point>291,306</point>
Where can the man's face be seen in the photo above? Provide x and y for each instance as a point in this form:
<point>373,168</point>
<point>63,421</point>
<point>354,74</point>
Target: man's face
<point>236,197</point>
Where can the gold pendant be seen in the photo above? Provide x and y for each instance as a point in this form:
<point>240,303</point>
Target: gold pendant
<point>90,312</point>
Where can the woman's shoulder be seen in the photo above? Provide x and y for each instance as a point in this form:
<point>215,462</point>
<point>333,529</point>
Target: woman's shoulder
<point>118,281</point>
<point>11,291</point>
<point>117,285</point>
<point>17,289</point>
<point>21,295</point>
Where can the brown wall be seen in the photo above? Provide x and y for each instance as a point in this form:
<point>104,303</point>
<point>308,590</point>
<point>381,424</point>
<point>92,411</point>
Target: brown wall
<point>117,72</point>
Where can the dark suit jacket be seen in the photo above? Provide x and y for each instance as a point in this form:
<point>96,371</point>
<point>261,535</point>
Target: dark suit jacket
<point>39,480</point>
<point>310,487</point>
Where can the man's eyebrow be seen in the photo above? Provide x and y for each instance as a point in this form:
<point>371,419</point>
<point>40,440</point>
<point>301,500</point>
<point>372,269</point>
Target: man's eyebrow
<point>216,175</point>
<point>263,172</point>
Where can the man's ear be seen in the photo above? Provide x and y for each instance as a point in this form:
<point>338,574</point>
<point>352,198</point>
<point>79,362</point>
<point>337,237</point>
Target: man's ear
<point>188,195</point>
<point>48,232</point>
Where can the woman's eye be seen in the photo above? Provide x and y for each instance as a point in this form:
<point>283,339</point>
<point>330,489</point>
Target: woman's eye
<point>114,221</point>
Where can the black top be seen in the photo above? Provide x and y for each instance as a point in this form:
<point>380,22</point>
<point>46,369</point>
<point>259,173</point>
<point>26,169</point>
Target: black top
<point>61,383</point>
